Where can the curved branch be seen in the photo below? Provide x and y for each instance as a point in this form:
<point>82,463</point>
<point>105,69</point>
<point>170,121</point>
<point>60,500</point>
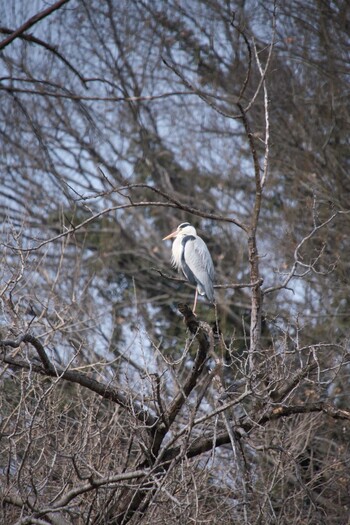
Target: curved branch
<point>60,504</point>
<point>72,96</point>
<point>172,203</point>
<point>28,338</point>
<point>206,444</point>
<point>297,258</point>
<point>53,50</point>
<point>189,209</point>
<point>200,94</point>
<point>50,370</point>
<point>32,21</point>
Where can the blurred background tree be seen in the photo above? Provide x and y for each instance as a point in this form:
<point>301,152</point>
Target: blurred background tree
<point>102,101</point>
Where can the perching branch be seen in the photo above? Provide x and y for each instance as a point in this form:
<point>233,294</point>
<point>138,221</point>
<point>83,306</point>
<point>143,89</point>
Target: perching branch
<point>233,286</point>
<point>204,337</point>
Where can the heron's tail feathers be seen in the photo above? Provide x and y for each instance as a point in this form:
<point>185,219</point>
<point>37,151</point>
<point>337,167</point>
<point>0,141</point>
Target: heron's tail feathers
<point>208,291</point>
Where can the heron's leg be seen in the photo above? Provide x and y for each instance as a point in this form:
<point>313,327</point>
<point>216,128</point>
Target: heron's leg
<point>195,301</point>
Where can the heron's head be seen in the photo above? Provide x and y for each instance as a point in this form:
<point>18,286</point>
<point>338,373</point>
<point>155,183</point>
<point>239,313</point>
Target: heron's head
<point>182,230</point>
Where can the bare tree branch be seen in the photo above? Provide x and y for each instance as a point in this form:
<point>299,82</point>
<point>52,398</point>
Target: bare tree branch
<point>32,21</point>
<point>52,49</point>
<point>103,390</point>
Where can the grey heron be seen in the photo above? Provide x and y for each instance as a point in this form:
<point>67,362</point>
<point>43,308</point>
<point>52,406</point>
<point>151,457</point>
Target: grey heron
<point>191,255</point>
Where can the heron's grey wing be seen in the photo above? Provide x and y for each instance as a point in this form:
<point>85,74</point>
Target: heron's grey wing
<point>198,260</point>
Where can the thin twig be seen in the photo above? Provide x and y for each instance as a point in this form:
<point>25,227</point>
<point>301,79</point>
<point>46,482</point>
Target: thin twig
<point>297,262</point>
<point>262,79</point>
<point>267,121</point>
<point>52,49</point>
<point>72,96</point>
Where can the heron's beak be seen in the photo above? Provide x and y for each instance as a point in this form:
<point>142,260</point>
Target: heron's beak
<point>171,235</point>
